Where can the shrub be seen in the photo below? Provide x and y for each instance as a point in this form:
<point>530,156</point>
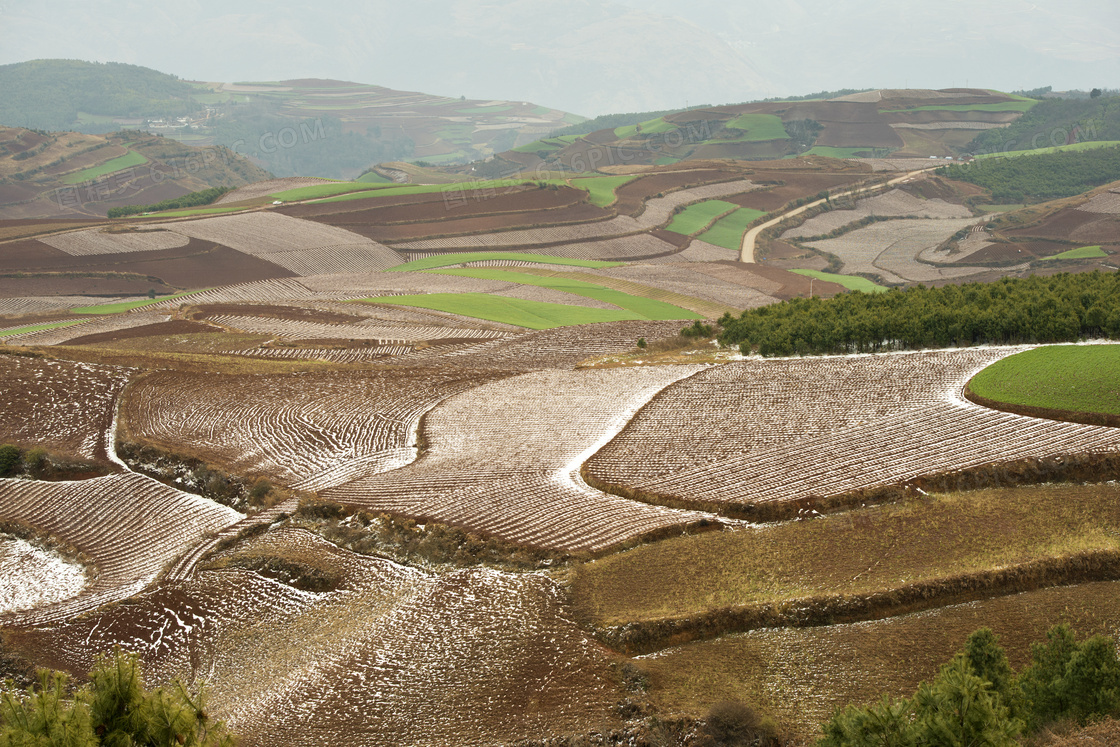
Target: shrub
<point>113,709</point>
<point>9,459</point>
<point>733,724</point>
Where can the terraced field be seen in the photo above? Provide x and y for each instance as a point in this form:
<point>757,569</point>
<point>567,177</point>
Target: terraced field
<point>128,525</point>
<point>64,407</point>
<point>862,426</point>
<point>387,653</point>
<point>310,431</point>
<point>504,459</point>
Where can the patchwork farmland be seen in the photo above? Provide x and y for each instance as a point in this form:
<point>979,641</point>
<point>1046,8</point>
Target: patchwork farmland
<point>423,463</point>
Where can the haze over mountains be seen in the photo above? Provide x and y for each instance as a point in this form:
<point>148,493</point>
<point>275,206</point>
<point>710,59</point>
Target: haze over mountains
<point>591,56</point>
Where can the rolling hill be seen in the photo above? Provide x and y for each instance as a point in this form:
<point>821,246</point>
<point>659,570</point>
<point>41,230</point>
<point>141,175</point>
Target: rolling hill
<point>295,127</point>
<point>74,175</point>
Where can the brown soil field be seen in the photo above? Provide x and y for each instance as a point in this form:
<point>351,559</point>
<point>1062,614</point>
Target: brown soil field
<point>309,430</point>
<point>802,675</point>
<point>830,112</point>
<point>296,313</point>
<point>362,658</point>
<point>933,116</point>
<point>1019,251</point>
<point>162,329</point>
<point>772,281</point>
<point>199,264</point>
<point>631,197</point>
<point>60,285</point>
<point>85,160</point>
<point>1074,225</point>
<point>796,186</point>
<point>18,229</point>
<point>64,407</point>
<point>16,193</point>
<point>861,135</point>
<point>581,212</point>
<point>744,151</point>
<point>524,199</point>
<point>671,237</point>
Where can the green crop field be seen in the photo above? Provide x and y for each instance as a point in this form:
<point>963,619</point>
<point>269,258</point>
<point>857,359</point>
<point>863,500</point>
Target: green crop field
<point>117,308</point>
<point>859,552</point>
<point>1084,252</point>
<point>128,160</point>
<point>1003,106</point>
<point>644,308</point>
<point>443,260</point>
<point>1075,378</point>
<point>1075,147</point>
<point>728,231</point>
<point>829,151</point>
<point>316,191</point>
<point>516,311</point>
<point>650,127</point>
<point>851,282</point>
<point>194,211</point>
<point>418,189</point>
<point>37,328</point>
<point>759,127</point>
<point>698,217</point>
<point>601,188</point>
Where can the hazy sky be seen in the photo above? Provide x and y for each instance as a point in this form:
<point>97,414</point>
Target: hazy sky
<point>590,56</point>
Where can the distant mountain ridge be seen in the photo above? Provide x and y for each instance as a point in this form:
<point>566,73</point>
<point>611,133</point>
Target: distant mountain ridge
<point>307,126</point>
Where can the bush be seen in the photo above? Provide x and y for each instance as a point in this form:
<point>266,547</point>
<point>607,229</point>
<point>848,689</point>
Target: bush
<point>733,724</point>
<point>9,459</point>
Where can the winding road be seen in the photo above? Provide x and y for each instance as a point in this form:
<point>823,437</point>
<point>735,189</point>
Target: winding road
<point>746,253</point>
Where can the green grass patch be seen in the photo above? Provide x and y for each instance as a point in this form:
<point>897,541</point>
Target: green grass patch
<point>1084,252</point>
<point>1074,378</point>
<point>1000,208</point>
<point>666,161</point>
<point>1071,147</point>
<point>698,217</point>
<point>316,191</point>
<point>117,308</point>
<point>128,160</point>
<point>515,311</point>
<point>538,145</point>
<point>829,151</point>
<point>656,126</point>
<point>601,188</point>
<point>373,191</point>
<point>853,553</point>
<point>194,211</point>
<point>851,282</point>
<point>644,308</point>
<point>759,127</point>
<point>1021,105</point>
<point>728,231</point>
<point>443,260</point>
<point>38,328</point>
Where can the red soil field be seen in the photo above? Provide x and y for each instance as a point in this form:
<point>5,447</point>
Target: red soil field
<point>449,206</point>
<point>796,186</point>
<point>174,327</point>
<point>78,286</point>
<point>1016,252</point>
<point>829,113</point>
<point>1074,225</point>
<point>295,313</point>
<point>85,160</point>
<point>64,407</point>
<point>859,135</point>
<point>678,240</point>
<point>632,195</point>
<point>772,281</point>
<point>582,212</point>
